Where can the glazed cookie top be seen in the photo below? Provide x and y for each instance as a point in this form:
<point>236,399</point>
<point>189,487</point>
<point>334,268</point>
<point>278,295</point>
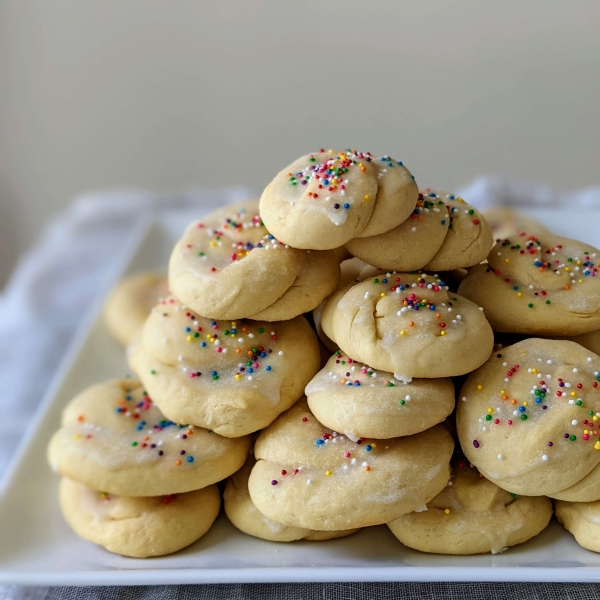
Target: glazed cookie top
<point>307,474</point>
<point>410,325</point>
<point>229,354</point>
<point>469,237</point>
<point>543,285</point>
<point>528,418</point>
<point>357,400</point>
<point>325,199</point>
<point>114,426</point>
<point>228,266</point>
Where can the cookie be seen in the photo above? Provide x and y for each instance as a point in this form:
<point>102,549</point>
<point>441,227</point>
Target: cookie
<point>590,340</point>
<point>443,233</point>
<point>506,222</point>
<point>233,377</point>
<point>228,266</point>
<point>528,418</point>
<point>582,519</point>
<point>354,399</point>
<point>409,325</point>
<point>544,285</point>
<point>472,516</point>
<point>114,439</point>
<point>244,515</point>
<point>130,303</point>
<point>139,527</point>
<point>310,477</point>
<point>468,240</point>
<point>325,199</point>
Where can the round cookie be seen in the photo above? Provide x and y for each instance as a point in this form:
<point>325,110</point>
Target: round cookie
<point>469,237</point>
<point>308,476</point>
<point>242,512</point>
<point>409,325</point>
<point>472,516</point>
<point>545,286</point>
<point>506,222</point>
<point>130,303</point>
<point>528,418</point>
<point>359,401</point>
<point>139,527</point>
<point>410,245</point>
<point>233,377</point>
<point>323,200</point>
<point>114,439</point>
<point>228,266</point>
<point>582,519</point>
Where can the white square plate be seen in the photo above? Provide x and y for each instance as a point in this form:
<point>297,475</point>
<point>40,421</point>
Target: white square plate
<point>38,548</point>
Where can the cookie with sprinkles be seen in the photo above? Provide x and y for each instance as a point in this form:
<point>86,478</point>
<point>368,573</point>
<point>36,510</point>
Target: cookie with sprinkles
<point>528,419</point>
<point>353,270</point>
<point>130,303</point>
<point>413,243</point>
<point>469,237</point>
<point>228,266</point>
<point>114,438</point>
<point>410,325</point>
<point>311,477</point>
<point>325,199</point>
<point>244,515</point>
<point>582,519</point>
<point>544,285</point>
<point>471,515</point>
<point>507,222</point>
<point>359,401</point>
<point>139,527</point>
<point>233,377</point>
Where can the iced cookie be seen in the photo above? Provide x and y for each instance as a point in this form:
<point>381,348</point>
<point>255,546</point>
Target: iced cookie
<point>582,519</point>
<point>410,325</point>
<point>359,401</point>
<point>468,240</point>
<point>506,222</point>
<point>228,266</point>
<point>325,199</point>
<point>538,286</point>
<point>472,516</point>
<point>528,419</point>
<point>139,527</point>
<point>114,439</point>
<point>233,377</point>
<point>130,303</point>
<point>242,512</point>
<point>309,476</point>
<point>443,233</point>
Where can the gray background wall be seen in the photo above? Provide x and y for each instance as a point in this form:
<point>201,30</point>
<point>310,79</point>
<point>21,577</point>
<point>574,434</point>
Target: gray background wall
<point>142,93</point>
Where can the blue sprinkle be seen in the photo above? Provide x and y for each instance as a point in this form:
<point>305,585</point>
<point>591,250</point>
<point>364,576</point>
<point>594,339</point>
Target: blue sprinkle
<point>268,368</point>
<point>250,370</point>
<point>203,344</point>
<point>368,448</point>
<point>188,329</point>
<point>213,373</point>
<point>346,205</point>
<point>190,459</point>
<point>320,442</point>
<point>384,280</point>
<point>522,409</point>
<point>443,221</point>
<point>399,163</point>
<point>515,287</point>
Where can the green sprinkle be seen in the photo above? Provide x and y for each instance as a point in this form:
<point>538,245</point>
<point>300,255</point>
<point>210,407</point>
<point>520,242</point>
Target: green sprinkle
<point>200,253</point>
<point>134,443</point>
<point>488,417</point>
<point>579,403</point>
<point>530,305</point>
<point>153,372</point>
<point>591,413</point>
<point>547,301</point>
<point>402,402</point>
<point>375,280</point>
<point>573,438</point>
<point>523,417</point>
<point>513,495</point>
<point>261,330</point>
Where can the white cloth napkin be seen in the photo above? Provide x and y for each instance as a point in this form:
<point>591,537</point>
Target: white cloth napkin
<point>75,262</point>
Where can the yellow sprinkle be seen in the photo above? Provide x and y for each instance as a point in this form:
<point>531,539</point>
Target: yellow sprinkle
<point>479,387</point>
<point>490,410</point>
<point>573,394</point>
<point>189,338</point>
<point>507,260</point>
<point>373,445</point>
<point>382,295</point>
<point>77,436</point>
<point>330,151</point>
<point>328,473</point>
<point>442,333</point>
<point>525,403</point>
<point>567,269</point>
<point>578,262</point>
<point>238,376</point>
<point>581,281</point>
<point>213,243</point>
<point>586,431</point>
<point>367,197</point>
<point>519,294</point>
<point>447,511</point>
<point>594,418</point>
<point>597,446</point>
<point>503,392</point>
<point>534,370</point>
<point>403,332</point>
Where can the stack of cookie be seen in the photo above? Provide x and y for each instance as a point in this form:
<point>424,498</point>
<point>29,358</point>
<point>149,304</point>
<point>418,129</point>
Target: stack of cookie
<point>321,437</point>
